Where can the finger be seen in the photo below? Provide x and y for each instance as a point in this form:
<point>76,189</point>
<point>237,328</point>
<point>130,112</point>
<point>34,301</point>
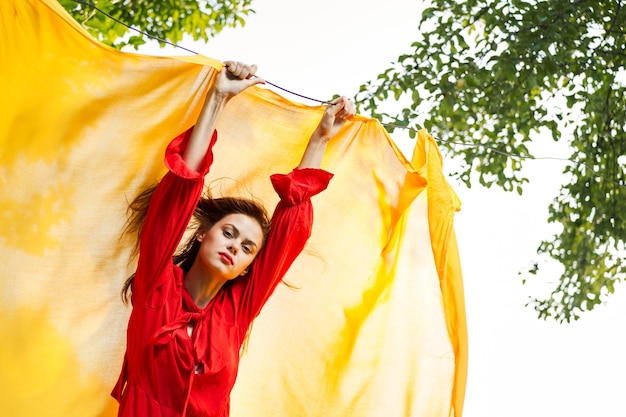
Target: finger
<point>246,71</point>
<point>241,70</point>
<point>254,81</point>
<point>351,107</point>
<point>235,68</point>
<point>347,110</point>
<point>230,65</point>
<point>344,114</point>
<point>251,71</point>
<point>335,106</point>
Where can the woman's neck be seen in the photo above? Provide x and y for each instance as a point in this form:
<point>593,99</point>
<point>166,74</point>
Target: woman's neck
<point>201,287</point>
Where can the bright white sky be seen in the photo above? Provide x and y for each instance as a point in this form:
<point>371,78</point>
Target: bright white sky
<point>519,366</point>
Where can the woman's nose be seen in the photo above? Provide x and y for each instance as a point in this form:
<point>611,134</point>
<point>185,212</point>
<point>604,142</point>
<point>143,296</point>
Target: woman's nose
<point>232,248</point>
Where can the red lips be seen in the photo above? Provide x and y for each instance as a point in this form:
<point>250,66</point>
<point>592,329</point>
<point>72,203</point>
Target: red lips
<point>226,258</point>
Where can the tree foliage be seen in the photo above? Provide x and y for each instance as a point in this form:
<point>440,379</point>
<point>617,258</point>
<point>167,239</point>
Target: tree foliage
<point>498,74</point>
<point>168,20</point>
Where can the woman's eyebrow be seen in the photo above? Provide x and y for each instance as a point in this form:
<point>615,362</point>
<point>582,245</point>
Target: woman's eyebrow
<point>236,233</point>
<point>251,242</point>
<point>232,226</point>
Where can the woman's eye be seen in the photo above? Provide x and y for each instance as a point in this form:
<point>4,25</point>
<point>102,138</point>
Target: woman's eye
<point>228,233</point>
<point>247,249</point>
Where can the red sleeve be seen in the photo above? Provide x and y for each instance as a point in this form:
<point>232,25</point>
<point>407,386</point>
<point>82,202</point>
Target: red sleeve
<point>169,212</point>
<point>291,227</point>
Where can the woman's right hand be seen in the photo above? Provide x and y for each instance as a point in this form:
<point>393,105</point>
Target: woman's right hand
<point>234,78</point>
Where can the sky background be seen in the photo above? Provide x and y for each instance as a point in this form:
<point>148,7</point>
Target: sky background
<point>519,366</point>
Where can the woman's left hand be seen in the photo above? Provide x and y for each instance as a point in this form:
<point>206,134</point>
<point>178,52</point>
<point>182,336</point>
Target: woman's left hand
<point>335,116</point>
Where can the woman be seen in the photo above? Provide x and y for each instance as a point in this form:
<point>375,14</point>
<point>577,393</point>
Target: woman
<point>191,312</point>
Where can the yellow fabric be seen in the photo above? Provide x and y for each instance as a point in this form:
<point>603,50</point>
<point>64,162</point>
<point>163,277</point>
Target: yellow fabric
<point>375,325</point>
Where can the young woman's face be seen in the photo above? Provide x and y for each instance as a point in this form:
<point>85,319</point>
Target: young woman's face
<point>228,248</point>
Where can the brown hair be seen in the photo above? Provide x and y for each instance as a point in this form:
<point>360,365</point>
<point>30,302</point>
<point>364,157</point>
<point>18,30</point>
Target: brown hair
<point>208,212</point>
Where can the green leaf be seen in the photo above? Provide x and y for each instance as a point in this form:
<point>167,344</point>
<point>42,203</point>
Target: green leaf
<point>535,67</point>
<point>167,20</point>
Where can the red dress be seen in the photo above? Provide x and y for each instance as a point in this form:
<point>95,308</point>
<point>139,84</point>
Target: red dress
<point>157,379</point>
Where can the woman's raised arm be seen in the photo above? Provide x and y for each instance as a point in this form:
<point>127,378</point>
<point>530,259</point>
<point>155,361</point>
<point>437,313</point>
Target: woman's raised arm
<point>232,80</point>
<point>332,120</point>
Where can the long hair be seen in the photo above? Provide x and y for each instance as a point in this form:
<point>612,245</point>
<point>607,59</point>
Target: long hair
<point>208,212</point>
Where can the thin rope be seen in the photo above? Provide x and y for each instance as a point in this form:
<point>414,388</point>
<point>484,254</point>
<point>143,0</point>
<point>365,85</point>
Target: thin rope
<point>298,94</point>
<point>490,148</point>
<point>84,3</point>
<point>93,6</point>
